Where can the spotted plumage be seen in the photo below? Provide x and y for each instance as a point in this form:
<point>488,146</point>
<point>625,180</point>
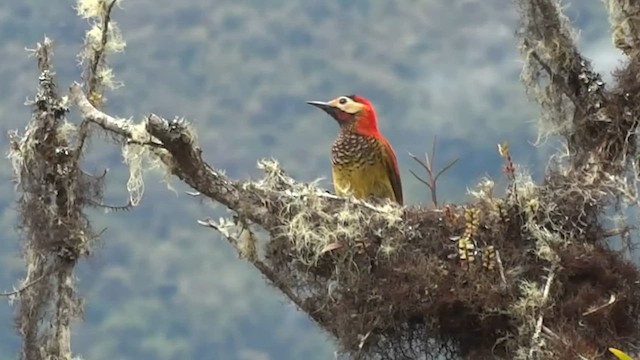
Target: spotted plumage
<point>351,149</point>
<point>363,162</point>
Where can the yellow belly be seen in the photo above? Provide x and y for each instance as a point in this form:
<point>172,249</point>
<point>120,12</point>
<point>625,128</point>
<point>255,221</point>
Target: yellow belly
<point>362,181</point>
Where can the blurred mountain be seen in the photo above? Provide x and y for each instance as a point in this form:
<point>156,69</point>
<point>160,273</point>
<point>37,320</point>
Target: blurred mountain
<point>159,286</point>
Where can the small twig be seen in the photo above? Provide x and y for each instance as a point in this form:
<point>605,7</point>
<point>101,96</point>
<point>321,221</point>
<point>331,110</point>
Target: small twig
<point>150,143</point>
<point>27,285</point>
<point>126,207</point>
<point>447,167</point>
<point>612,300</point>
<point>545,297</point>
<point>432,176</point>
<point>501,268</point>
<point>616,231</point>
<point>363,338</point>
<point>550,334</point>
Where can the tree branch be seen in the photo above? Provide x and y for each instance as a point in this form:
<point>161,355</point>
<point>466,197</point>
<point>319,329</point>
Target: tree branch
<point>92,114</point>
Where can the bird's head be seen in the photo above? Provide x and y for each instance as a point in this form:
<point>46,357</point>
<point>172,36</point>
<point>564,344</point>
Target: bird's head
<point>352,112</point>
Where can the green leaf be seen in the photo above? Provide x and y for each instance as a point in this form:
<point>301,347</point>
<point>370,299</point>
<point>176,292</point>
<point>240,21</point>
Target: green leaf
<point>619,354</point>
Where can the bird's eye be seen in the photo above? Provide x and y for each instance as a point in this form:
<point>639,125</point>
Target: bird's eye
<point>342,101</point>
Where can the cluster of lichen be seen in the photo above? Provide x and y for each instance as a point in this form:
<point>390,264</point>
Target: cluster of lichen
<point>625,24</point>
<point>313,231</point>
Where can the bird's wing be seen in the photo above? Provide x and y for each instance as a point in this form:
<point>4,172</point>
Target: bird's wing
<point>393,170</point>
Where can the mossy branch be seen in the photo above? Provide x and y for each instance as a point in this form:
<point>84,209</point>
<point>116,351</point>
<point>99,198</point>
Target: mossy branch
<point>594,120</point>
<point>52,193</point>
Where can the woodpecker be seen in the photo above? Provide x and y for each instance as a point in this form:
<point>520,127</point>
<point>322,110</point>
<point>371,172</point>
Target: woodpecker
<point>363,162</point>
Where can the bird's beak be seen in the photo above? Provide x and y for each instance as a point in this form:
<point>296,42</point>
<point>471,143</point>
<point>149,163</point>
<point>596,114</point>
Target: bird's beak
<point>326,107</point>
<point>321,105</point>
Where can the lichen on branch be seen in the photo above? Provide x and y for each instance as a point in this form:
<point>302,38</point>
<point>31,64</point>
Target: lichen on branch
<point>52,193</point>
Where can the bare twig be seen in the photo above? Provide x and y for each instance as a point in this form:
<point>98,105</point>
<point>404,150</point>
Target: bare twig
<point>545,296</point>
<point>432,176</point>
<point>611,301</point>
<point>616,231</point>
<point>25,286</point>
<point>501,268</point>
